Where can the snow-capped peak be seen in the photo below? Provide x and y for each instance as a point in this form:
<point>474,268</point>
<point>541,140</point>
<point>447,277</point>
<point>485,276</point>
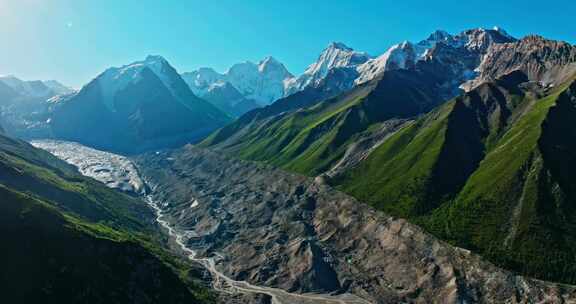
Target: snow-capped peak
<point>58,87</point>
<point>262,82</point>
<point>339,46</point>
<point>155,59</point>
<point>116,79</point>
<point>399,56</point>
<point>502,32</point>
<point>480,39</point>
<point>268,60</point>
<point>200,80</point>
<point>439,35</point>
<point>271,65</point>
<point>474,42</point>
<point>336,55</point>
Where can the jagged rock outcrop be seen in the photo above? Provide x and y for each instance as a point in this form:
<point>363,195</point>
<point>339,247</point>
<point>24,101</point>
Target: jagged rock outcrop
<point>547,62</point>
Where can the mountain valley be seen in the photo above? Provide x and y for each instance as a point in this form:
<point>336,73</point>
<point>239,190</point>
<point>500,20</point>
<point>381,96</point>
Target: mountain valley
<point>439,171</point>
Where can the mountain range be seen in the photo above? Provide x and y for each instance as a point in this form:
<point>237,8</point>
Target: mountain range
<point>257,84</point>
<point>469,136</point>
<point>490,170</point>
<point>353,67</point>
<point>36,88</point>
<point>311,130</point>
<point>479,168</point>
<point>24,106</point>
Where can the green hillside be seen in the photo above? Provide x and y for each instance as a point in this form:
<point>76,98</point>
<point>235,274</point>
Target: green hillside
<point>68,239</point>
<point>311,139</point>
<point>26,169</point>
<point>491,171</point>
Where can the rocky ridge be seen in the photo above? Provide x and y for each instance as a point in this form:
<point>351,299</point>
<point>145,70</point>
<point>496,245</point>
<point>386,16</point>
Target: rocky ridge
<point>547,62</point>
<point>336,56</point>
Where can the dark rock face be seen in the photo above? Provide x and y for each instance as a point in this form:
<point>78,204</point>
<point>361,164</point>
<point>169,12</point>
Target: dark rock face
<point>283,230</point>
<point>545,61</point>
<point>453,59</point>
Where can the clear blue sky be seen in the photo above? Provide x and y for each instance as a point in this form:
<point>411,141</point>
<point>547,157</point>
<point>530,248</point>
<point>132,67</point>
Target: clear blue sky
<point>74,40</point>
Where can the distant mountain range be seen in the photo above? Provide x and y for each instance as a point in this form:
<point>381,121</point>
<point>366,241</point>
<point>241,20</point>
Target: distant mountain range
<point>147,100</point>
<point>36,88</point>
<point>259,84</point>
<point>24,106</point>
<point>269,80</point>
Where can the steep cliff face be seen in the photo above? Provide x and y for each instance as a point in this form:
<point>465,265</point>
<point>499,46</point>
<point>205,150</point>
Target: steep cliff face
<point>545,61</point>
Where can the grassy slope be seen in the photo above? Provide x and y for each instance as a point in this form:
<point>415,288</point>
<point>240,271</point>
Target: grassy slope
<point>314,138</point>
<point>430,160</point>
<point>27,169</point>
<point>60,259</point>
<point>515,204</point>
<point>399,169</point>
<point>69,239</point>
<point>301,140</point>
<point>513,209</point>
<point>302,99</point>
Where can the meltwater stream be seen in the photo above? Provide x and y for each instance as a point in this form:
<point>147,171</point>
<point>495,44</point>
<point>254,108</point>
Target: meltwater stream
<point>119,172</point>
